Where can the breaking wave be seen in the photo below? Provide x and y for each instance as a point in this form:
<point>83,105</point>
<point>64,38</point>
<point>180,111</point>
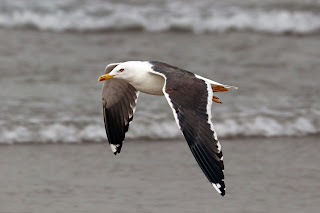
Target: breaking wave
<point>259,126</point>
<point>172,16</point>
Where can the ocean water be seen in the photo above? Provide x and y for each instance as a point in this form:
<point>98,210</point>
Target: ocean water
<point>52,53</point>
<point>276,17</point>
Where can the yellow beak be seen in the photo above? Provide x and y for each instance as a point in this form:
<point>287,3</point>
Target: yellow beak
<point>105,77</point>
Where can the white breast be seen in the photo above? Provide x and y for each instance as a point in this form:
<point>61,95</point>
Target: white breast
<point>149,83</point>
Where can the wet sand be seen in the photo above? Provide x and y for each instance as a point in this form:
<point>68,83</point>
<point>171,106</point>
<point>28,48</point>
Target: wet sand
<point>262,175</point>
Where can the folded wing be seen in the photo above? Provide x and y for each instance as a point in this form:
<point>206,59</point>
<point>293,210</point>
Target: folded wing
<point>119,102</point>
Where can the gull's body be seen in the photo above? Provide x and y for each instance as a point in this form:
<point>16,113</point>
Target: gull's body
<point>190,96</point>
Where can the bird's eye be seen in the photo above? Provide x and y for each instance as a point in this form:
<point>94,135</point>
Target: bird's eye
<point>121,70</point>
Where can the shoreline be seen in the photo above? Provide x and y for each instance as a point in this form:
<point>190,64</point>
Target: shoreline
<point>314,34</point>
<point>174,140</point>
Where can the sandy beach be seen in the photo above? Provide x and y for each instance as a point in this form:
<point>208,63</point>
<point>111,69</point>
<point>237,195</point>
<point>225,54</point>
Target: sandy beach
<point>262,175</point>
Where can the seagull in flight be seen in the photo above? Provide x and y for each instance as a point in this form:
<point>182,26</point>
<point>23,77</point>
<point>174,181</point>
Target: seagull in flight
<point>189,95</point>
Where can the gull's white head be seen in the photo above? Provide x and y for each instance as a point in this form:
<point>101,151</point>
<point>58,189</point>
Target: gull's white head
<point>126,70</point>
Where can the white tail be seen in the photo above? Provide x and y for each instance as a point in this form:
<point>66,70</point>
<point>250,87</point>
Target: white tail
<point>213,83</point>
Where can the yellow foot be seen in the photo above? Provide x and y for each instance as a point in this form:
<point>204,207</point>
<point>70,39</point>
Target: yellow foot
<point>216,99</point>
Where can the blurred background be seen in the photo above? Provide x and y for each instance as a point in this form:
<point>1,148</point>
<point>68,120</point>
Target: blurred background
<point>52,53</point>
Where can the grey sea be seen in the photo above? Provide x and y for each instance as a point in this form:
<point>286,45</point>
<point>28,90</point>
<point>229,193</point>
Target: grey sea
<point>54,154</point>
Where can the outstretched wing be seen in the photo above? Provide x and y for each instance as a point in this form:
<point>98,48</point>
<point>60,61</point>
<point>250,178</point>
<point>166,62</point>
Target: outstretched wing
<point>119,102</point>
<point>190,99</point>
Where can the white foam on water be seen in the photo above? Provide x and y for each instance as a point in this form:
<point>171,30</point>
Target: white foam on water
<point>196,18</point>
<point>259,126</point>
<point>55,133</point>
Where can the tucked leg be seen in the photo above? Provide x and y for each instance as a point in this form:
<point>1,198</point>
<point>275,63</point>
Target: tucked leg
<point>216,99</point>
<point>217,88</point>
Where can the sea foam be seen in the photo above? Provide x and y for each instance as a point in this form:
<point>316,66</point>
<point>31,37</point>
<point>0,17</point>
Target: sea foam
<point>194,18</point>
<point>259,126</point>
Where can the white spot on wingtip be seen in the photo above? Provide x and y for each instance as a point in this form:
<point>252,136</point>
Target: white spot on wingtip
<point>114,147</point>
<point>217,187</point>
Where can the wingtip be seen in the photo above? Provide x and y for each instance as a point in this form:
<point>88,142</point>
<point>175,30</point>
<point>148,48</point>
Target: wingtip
<point>115,148</point>
<point>217,187</point>
<point>116,152</point>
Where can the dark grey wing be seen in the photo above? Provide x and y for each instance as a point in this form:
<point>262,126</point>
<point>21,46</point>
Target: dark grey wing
<point>119,102</point>
<point>190,99</point>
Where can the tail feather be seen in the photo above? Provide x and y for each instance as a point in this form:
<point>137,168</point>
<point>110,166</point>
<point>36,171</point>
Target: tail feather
<point>214,83</point>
